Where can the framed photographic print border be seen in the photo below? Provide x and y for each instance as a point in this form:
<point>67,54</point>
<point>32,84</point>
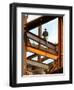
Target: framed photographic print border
<point>13,44</point>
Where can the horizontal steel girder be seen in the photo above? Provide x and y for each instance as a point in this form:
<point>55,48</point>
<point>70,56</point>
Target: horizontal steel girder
<point>43,53</point>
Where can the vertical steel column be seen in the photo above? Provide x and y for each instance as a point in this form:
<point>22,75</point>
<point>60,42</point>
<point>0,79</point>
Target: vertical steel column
<point>60,39</point>
<point>25,53</point>
<point>25,45</point>
<point>39,34</point>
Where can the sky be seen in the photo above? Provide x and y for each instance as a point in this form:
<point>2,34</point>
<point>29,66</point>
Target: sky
<point>52,28</point>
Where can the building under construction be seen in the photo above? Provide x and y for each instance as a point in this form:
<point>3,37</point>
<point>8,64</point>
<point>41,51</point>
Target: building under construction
<point>40,48</point>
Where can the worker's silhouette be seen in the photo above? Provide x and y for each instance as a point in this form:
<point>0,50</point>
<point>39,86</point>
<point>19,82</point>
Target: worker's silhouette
<point>45,34</point>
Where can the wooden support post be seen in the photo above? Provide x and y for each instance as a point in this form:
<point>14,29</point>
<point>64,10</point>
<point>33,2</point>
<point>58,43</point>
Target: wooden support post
<point>60,36</point>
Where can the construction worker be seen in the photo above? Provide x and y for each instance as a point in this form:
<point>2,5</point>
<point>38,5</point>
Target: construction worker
<point>45,34</point>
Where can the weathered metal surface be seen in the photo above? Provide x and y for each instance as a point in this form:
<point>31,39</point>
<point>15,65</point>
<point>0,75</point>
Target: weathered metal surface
<point>32,56</point>
<point>44,49</point>
<point>37,64</point>
<point>37,22</point>
<point>41,52</point>
<point>40,40</point>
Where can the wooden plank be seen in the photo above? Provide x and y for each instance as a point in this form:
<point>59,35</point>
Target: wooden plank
<point>40,40</point>
<point>37,22</point>
<point>43,53</point>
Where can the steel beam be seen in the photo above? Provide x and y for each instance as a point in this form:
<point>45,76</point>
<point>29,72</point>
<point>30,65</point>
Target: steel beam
<point>37,64</point>
<point>40,40</point>
<point>32,56</point>
<point>44,49</point>
<point>37,22</point>
<point>41,52</point>
<point>60,36</point>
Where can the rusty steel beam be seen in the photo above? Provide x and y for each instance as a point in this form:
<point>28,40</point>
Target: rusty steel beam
<point>40,40</point>
<point>32,56</point>
<point>60,34</point>
<point>37,64</point>
<point>44,49</point>
<point>39,34</point>
<point>37,22</point>
<point>55,66</point>
<point>24,21</point>
<point>57,70</point>
<point>41,52</point>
